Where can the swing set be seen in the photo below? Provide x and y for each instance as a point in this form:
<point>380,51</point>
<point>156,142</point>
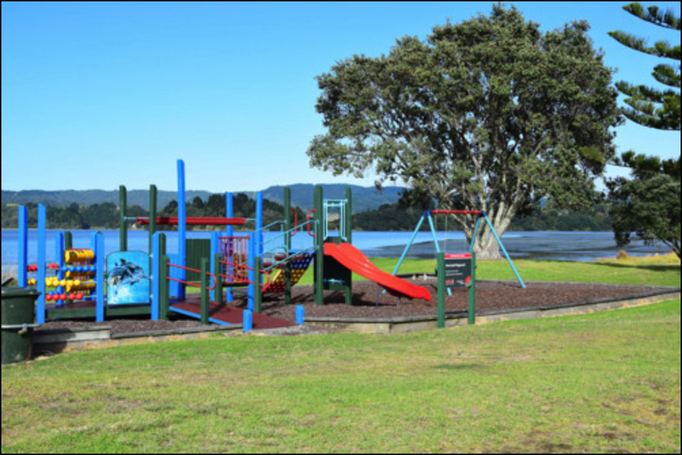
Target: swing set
<point>428,215</point>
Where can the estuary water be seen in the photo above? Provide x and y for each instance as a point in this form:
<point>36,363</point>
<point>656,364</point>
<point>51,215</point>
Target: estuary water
<point>561,246</point>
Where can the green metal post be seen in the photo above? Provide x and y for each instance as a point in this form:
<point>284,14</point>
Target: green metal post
<point>472,291</point>
<point>68,240</point>
<point>123,213</point>
<point>204,291</point>
<point>349,235</point>
<point>218,269</point>
<point>160,277</point>
<point>319,243</point>
<point>152,213</point>
<point>164,290</point>
<point>441,290</point>
<point>287,244</point>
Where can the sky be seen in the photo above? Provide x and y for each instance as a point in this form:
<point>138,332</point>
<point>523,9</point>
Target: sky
<point>99,94</point>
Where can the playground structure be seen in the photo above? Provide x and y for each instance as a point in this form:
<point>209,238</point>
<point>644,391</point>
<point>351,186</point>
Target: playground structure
<point>79,273</point>
<point>220,267</point>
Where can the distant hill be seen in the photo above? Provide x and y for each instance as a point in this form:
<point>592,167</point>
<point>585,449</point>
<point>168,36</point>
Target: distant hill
<point>364,198</point>
<point>90,197</point>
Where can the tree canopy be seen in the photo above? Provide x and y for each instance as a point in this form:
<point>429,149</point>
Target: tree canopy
<point>490,114</point>
<point>648,204</point>
<point>650,106</point>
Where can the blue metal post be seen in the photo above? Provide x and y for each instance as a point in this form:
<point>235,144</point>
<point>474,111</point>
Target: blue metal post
<point>259,224</point>
<point>97,245</point>
<point>182,228</point>
<point>409,245</point>
<point>42,243</point>
<point>504,250</point>
<point>229,212</point>
<point>23,247</point>
<point>300,315</point>
<point>473,239</point>
<point>100,266</point>
<point>248,321</point>
<point>435,241</point>
<point>433,232</point>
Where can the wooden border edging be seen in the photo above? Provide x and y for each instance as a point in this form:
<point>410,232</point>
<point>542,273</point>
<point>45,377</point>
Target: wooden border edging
<point>454,319</point>
<point>74,339</point>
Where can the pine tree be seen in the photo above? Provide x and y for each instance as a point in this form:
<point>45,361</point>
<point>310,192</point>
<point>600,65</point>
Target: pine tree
<point>649,106</point>
<point>648,204</point>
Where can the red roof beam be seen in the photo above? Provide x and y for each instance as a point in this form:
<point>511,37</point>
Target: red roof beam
<point>194,221</point>
<point>456,212</point>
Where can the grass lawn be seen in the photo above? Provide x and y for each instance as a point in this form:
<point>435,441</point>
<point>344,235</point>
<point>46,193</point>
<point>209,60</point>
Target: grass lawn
<point>651,270</point>
<point>606,382</point>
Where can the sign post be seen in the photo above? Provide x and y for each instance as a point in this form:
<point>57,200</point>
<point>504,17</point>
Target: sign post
<point>456,270</point>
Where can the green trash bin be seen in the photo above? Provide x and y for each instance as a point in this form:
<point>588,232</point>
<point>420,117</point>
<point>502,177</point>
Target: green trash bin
<point>18,315</point>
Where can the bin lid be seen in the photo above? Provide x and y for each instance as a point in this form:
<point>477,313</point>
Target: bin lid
<point>16,291</point>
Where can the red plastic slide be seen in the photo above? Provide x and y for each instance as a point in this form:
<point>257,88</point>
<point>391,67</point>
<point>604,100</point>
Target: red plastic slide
<point>353,259</point>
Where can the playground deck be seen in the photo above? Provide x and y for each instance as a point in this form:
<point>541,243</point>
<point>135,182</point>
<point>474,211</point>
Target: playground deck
<point>227,314</point>
<point>88,309</point>
<point>218,313</point>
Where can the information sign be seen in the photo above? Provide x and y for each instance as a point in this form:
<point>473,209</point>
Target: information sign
<point>457,270</point>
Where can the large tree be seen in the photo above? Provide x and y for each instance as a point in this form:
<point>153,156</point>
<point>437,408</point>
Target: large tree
<point>648,204</point>
<point>650,106</point>
<point>489,114</point>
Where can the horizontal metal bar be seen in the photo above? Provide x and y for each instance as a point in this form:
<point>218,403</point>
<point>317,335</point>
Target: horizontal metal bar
<point>456,212</point>
<point>187,283</point>
<point>284,233</point>
<point>287,259</point>
<point>20,326</point>
<point>193,315</point>
<point>272,224</point>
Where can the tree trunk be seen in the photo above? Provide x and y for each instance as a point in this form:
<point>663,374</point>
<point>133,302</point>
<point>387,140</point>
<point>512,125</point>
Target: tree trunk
<point>486,248</point>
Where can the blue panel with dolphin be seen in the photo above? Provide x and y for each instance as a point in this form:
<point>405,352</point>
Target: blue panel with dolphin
<point>128,278</point>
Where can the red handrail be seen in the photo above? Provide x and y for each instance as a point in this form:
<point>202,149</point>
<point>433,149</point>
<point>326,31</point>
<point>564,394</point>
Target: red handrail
<point>243,267</point>
<point>308,221</point>
<point>189,283</point>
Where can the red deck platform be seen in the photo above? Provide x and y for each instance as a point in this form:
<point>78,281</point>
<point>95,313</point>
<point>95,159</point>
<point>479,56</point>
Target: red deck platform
<point>229,314</point>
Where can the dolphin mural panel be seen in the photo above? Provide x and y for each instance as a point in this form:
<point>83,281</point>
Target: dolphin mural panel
<point>128,278</point>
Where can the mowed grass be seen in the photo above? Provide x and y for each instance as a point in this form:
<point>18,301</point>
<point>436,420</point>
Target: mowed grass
<point>607,382</point>
<point>649,270</point>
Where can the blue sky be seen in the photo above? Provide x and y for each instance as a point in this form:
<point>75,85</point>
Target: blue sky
<point>100,94</point>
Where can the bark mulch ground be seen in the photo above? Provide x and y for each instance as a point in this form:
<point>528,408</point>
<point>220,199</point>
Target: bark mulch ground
<point>490,296</point>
